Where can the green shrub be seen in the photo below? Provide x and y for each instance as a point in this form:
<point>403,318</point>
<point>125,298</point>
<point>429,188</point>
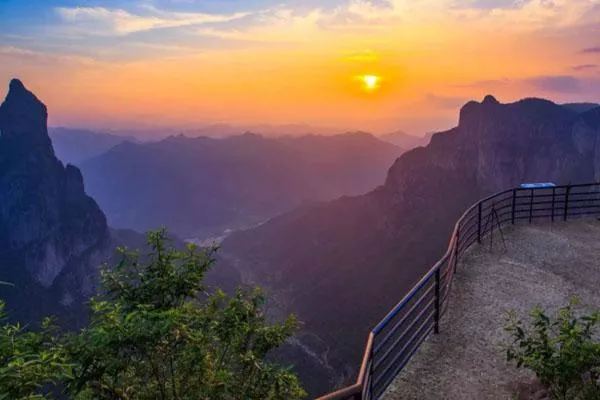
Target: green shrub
<point>30,360</point>
<point>157,334</point>
<point>562,350</point>
<point>154,333</point>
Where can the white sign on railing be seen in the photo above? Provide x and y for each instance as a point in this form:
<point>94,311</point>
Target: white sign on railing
<point>537,185</point>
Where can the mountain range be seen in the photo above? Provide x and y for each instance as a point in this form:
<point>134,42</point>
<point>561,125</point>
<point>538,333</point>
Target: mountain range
<point>341,265</point>
<point>200,187</point>
<point>75,145</point>
<point>339,241</point>
<point>53,236</point>
<point>405,140</point>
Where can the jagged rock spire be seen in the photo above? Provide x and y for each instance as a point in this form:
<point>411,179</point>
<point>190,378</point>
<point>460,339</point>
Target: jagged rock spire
<point>23,120</point>
<point>49,228</point>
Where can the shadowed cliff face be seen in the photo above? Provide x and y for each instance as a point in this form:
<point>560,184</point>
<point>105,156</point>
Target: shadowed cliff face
<point>341,265</point>
<point>52,235</point>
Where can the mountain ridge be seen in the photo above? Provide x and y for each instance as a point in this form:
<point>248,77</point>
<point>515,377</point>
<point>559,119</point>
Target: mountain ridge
<point>77,145</point>
<point>219,184</point>
<point>344,263</point>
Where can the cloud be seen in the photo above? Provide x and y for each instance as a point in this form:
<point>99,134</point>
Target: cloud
<point>105,21</point>
<point>584,67</point>
<point>300,21</point>
<point>445,102</point>
<point>15,52</point>
<point>591,50</point>
<point>557,84</point>
<point>483,84</point>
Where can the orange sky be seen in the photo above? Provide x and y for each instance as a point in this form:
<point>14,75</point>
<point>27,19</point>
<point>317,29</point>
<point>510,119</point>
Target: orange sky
<point>127,66</point>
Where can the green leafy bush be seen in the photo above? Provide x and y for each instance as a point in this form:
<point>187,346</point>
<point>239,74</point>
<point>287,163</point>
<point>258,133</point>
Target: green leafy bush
<point>563,351</point>
<point>30,360</point>
<point>154,333</point>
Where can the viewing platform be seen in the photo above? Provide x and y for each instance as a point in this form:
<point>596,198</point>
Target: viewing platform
<point>540,264</point>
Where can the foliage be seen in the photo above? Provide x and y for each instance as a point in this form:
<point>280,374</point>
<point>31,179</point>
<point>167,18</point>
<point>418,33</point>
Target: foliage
<point>156,333</point>
<point>30,360</point>
<point>562,350</point>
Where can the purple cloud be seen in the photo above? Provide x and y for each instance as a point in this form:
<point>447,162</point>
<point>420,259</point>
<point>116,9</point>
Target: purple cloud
<point>584,67</point>
<point>486,83</point>
<point>445,102</point>
<point>591,50</point>
<point>559,84</point>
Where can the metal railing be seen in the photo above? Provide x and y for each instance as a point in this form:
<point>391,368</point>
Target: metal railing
<point>392,343</point>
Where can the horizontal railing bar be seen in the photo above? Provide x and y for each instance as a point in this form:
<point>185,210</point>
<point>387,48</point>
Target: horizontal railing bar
<point>355,389</point>
<point>536,203</point>
<point>584,213</point>
<point>349,392</point>
<point>403,320</point>
<point>472,235</point>
<point>468,223</point>
<point>583,200</point>
<point>446,272</point>
<point>406,346</point>
<point>539,195</point>
<point>407,298</point>
<point>505,213</point>
<point>579,207</point>
<point>472,241</point>
<point>476,205</point>
<point>490,205</point>
<point>583,194</point>
<point>469,220</point>
<point>523,204</point>
<point>468,231</point>
<point>380,360</point>
<point>406,359</point>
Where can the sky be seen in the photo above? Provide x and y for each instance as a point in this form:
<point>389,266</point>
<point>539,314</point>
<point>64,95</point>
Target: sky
<point>109,64</point>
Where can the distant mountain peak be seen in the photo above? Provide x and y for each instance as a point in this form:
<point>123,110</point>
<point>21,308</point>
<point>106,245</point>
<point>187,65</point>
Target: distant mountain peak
<point>23,118</point>
<point>18,95</point>
<point>16,85</point>
<point>489,99</point>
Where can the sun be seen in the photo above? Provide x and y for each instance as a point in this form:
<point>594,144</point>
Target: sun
<point>370,82</point>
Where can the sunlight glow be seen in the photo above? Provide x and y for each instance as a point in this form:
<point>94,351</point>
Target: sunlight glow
<point>371,82</point>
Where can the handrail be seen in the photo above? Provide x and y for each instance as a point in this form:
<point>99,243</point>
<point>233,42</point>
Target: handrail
<point>475,223</point>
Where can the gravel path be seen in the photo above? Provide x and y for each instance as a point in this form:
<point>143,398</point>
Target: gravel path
<point>542,264</point>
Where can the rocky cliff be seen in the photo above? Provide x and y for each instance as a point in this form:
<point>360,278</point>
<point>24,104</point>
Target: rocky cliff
<point>52,235</point>
<point>341,265</point>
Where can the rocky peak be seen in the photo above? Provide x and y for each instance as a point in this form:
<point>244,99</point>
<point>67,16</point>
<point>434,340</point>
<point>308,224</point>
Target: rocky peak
<point>490,100</point>
<point>496,146</point>
<point>23,120</point>
<point>51,233</point>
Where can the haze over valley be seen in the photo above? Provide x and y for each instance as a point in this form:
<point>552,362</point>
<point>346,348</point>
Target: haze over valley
<point>324,149</point>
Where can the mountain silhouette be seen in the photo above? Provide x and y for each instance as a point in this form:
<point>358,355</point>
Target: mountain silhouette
<point>201,187</point>
<point>341,265</point>
<point>52,234</point>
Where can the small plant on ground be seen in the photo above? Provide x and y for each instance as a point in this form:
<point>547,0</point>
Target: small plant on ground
<point>562,350</point>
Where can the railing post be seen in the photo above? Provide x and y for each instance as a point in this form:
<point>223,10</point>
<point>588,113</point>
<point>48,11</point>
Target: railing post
<point>514,206</point>
<point>479,223</point>
<point>531,207</point>
<point>436,328</point>
<point>369,379</point>
<point>567,203</point>
<point>456,244</point>
<point>553,201</point>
